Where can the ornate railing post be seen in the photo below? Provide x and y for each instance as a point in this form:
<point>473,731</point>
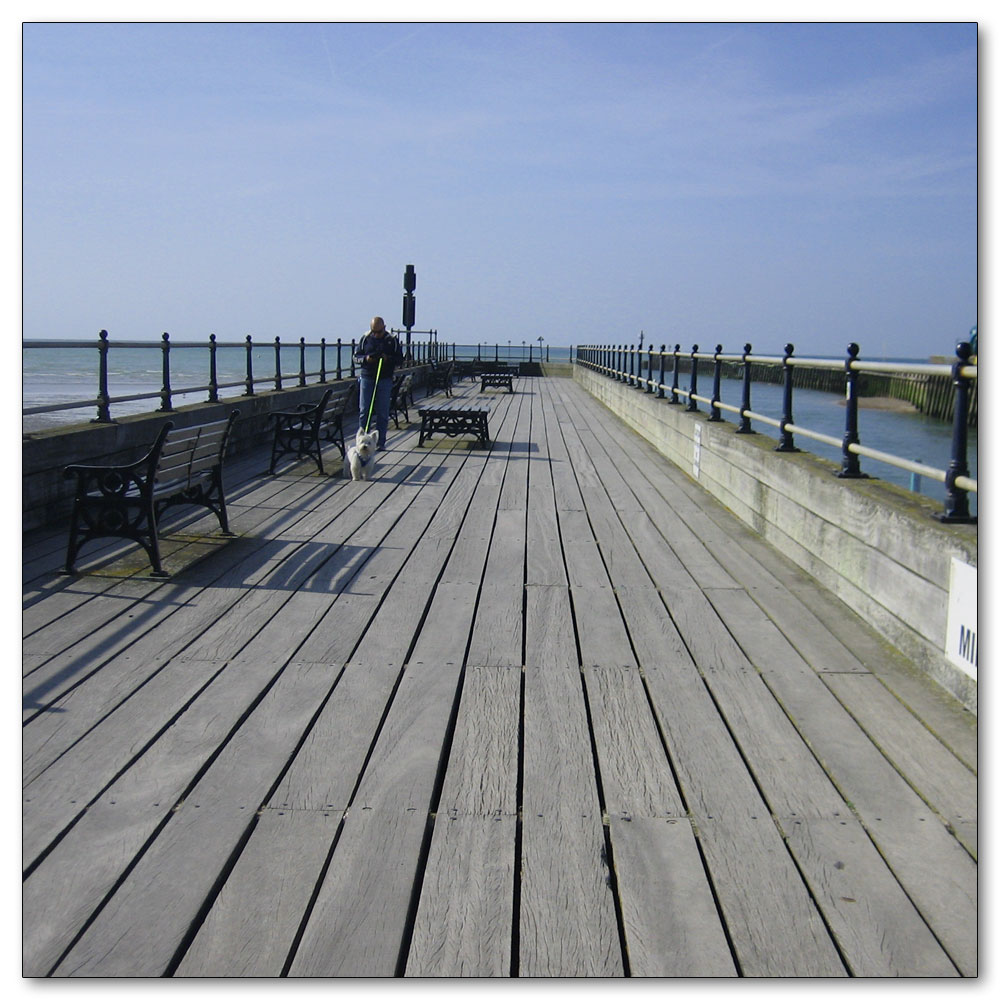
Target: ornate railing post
<point>277,362</point>
<point>302,361</point>
<point>787,441</point>
<point>249,383</point>
<point>352,358</point>
<point>340,373</point>
<point>745,427</point>
<point>649,370</point>
<point>659,391</point>
<point>165,401</point>
<point>103,396</point>
<point>213,371</point>
<point>692,405</point>
<point>322,359</point>
<point>716,414</point>
<point>956,502</point>
<point>850,466</point>
<point>673,387</point>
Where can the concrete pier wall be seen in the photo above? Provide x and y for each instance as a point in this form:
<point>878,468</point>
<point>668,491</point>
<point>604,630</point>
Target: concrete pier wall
<point>875,546</point>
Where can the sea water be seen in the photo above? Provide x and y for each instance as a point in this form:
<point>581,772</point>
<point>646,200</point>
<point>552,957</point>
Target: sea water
<point>69,374</point>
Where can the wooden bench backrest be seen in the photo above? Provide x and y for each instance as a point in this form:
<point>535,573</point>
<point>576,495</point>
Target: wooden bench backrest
<point>191,451</point>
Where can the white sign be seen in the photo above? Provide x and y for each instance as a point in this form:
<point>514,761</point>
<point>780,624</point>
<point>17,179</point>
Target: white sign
<point>962,642</point>
<point>697,449</point>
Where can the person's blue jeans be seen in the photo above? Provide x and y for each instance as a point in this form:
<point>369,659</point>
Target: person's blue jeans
<point>383,396</point>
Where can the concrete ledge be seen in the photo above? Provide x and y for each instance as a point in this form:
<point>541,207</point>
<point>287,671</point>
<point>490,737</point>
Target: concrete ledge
<point>876,546</point>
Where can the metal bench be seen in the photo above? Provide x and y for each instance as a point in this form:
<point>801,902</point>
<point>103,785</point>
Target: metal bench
<point>496,380</point>
<point>125,501</point>
<point>440,378</point>
<point>453,419</point>
<point>401,398</point>
<point>304,431</point>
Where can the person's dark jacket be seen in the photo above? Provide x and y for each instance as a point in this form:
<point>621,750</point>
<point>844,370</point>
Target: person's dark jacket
<point>386,347</point>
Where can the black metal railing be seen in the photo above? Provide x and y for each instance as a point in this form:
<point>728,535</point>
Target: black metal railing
<point>247,361</point>
<point>315,362</point>
<point>625,364</point>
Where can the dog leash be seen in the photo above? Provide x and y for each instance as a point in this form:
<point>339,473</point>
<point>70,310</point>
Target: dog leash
<point>374,390</point>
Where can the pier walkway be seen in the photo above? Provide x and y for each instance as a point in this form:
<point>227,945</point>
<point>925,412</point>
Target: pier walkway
<point>542,709</point>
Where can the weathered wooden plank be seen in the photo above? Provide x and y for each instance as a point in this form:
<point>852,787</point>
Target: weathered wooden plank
<point>773,923</point>
<point>937,873</point>
<point>514,494</point>
<point>635,772</point>
<point>584,565</point>
<point>549,636</point>
<point>938,777</point>
<point>567,925</point>
<point>464,921</point>
<point>877,927</point>
<point>601,631</point>
<point>172,879</point>
<point>567,490</point>
<point>544,564</point>
<point>784,767</point>
<point>358,925</point>
<point>66,888</point>
<point>327,767</point>
<point>481,778</point>
<point>251,927</point>
<point>359,921</point>
<point>58,789</point>
<point>87,620</point>
<point>498,631</point>
<point>567,920</point>
<point>110,683</point>
<point>671,923</point>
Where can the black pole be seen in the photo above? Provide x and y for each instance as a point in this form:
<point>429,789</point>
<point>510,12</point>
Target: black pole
<point>787,442</point>
<point>322,359</point>
<point>716,414</point>
<point>745,427</point>
<point>692,402</point>
<point>956,503</point>
<point>103,397</point>
<point>673,388</point>
<point>659,393</point>
<point>277,362</point>
<point>249,383</point>
<point>213,371</point>
<point>165,403</point>
<point>850,467</point>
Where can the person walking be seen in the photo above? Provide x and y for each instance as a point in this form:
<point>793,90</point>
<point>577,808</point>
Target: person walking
<point>377,354</point>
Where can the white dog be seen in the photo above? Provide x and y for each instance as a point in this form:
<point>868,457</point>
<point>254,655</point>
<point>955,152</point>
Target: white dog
<point>359,463</point>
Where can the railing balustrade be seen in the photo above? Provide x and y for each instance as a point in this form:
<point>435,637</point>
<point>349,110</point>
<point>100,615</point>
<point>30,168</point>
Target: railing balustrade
<point>249,383</point>
<point>429,351</point>
<point>619,361</point>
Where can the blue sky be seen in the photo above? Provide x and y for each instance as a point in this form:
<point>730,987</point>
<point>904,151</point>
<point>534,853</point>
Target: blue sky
<point>704,183</point>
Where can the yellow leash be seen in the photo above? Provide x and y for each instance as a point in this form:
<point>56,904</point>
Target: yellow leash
<point>374,390</point>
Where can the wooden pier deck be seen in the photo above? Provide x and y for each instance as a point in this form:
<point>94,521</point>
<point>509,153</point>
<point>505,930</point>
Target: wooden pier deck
<point>538,710</point>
